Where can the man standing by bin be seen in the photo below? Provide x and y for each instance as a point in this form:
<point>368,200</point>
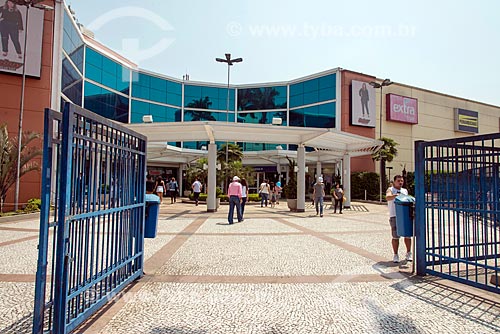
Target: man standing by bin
<point>391,193</point>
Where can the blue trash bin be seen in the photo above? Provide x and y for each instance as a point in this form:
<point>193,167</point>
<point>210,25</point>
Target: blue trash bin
<point>152,212</point>
<point>405,208</point>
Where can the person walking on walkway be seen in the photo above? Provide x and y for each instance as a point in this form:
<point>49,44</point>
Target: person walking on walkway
<point>173,187</point>
<point>264,191</point>
<point>391,193</point>
<point>318,195</point>
<point>196,186</point>
<point>244,196</point>
<point>234,192</point>
<point>338,196</point>
<point>160,188</point>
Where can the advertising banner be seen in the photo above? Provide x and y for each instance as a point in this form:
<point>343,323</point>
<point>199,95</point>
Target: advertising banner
<point>402,109</point>
<point>363,111</point>
<point>466,120</point>
<point>15,32</point>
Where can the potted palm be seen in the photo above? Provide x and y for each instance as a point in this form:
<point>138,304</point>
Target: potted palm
<point>290,189</point>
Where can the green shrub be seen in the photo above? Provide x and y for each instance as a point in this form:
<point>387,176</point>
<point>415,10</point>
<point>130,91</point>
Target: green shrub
<point>34,205</point>
<point>253,198</point>
<point>362,181</point>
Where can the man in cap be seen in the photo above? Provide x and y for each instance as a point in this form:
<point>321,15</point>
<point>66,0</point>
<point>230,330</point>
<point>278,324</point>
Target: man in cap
<point>234,192</point>
<point>318,194</point>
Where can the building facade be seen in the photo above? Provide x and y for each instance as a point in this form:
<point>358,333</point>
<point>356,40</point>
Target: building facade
<point>76,68</point>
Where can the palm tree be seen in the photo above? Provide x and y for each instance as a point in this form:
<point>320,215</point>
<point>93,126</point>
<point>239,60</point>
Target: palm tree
<point>8,159</point>
<point>234,153</point>
<point>386,153</point>
<point>202,103</point>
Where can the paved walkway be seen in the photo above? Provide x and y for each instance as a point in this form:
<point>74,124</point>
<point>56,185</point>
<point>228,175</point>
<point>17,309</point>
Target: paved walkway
<point>276,272</point>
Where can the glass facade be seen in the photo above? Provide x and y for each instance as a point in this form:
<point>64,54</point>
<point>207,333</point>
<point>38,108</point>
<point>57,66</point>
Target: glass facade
<point>112,89</point>
<point>313,91</point>
<point>71,82</point>
<point>262,98</point>
<point>107,72</point>
<point>72,43</point>
<point>205,97</point>
<point>318,116</point>
<point>160,113</point>
<point>106,103</point>
<point>265,117</point>
<point>152,88</point>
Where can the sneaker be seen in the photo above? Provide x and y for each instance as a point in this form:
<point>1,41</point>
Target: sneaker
<point>395,259</point>
<point>321,215</point>
<point>409,256</point>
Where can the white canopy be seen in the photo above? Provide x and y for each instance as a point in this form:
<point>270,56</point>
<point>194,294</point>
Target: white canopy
<point>330,144</point>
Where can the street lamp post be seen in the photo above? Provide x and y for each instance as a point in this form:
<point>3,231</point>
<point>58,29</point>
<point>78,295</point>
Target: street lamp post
<point>229,63</point>
<point>386,82</point>
<point>28,4</point>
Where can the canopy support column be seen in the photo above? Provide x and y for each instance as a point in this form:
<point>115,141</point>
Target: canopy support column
<point>301,178</point>
<point>211,192</point>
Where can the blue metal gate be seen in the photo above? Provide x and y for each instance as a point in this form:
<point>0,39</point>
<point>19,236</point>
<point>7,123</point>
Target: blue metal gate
<point>457,188</point>
<point>93,174</point>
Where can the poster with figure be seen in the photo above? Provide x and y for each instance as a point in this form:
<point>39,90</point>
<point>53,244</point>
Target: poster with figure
<point>15,31</point>
<point>363,111</point>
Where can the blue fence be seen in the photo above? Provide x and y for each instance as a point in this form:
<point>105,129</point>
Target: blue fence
<point>457,188</point>
<point>91,247</point>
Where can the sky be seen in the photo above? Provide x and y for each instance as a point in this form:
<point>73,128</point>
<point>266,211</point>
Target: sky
<point>451,47</point>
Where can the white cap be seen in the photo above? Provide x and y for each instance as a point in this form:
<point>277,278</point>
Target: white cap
<point>320,179</point>
<point>236,178</point>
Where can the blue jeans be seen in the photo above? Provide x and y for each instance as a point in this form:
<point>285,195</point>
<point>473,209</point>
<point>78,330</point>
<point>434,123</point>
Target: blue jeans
<point>243,202</point>
<point>318,201</point>
<point>263,198</point>
<point>234,201</point>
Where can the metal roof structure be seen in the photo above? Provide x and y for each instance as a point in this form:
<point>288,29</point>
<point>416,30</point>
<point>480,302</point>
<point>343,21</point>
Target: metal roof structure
<point>330,144</point>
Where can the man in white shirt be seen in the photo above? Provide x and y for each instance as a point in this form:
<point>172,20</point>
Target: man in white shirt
<point>196,186</point>
<point>391,193</point>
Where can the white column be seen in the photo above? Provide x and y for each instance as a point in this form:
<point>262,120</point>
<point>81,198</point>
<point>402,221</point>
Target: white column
<point>180,171</point>
<point>301,178</point>
<point>346,179</point>
<point>211,195</point>
<point>318,170</point>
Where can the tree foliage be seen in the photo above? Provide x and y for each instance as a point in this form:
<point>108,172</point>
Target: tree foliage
<point>290,189</point>
<point>8,158</point>
<point>387,152</point>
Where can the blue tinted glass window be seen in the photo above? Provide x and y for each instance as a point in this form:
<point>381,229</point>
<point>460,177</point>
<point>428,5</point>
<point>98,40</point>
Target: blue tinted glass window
<point>262,98</point>
<point>261,117</point>
<point>260,146</point>
<point>156,89</point>
<point>197,115</point>
<point>106,71</point>
<point>313,91</point>
<point>71,82</point>
<point>106,103</point>
<point>195,145</point>
<point>160,113</point>
<point>72,44</point>
<point>319,116</point>
<point>203,97</point>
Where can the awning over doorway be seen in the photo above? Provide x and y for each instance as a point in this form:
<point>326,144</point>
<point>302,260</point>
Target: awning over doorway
<point>330,144</point>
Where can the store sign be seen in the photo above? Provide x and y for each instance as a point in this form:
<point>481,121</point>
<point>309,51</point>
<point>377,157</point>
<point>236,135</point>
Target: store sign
<point>466,120</point>
<point>363,111</point>
<point>402,109</point>
<point>19,36</point>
